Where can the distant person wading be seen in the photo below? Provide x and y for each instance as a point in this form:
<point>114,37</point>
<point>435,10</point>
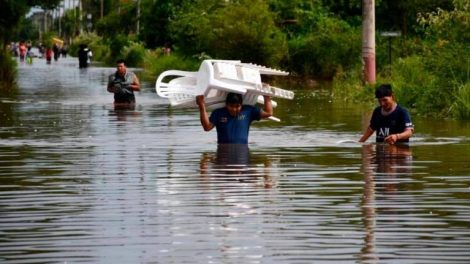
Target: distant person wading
<point>84,55</point>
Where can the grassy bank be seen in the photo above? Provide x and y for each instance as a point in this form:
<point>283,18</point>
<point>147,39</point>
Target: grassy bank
<point>7,72</point>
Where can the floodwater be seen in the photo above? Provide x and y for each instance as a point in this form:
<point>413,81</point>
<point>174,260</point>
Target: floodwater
<point>81,182</point>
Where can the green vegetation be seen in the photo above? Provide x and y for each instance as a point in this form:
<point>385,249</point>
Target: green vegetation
<point>7,72</point>
<point>432,72</point>
<point>313,39</point>
<point>156,62</point>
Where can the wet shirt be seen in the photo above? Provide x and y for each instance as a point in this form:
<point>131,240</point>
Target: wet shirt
<point>393,123</point>
<point>234,129</point>
<point>124,95</point>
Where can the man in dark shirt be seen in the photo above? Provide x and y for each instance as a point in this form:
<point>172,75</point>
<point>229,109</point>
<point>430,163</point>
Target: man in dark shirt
<point>83,53</point>
<point>391,122</point>
<point>233,121</point>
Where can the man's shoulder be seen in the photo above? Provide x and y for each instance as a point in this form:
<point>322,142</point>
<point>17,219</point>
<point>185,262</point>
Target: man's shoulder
<point>129,73</point>
<point>401,110</point>
<point>250,108</point>
<point>220,110</point>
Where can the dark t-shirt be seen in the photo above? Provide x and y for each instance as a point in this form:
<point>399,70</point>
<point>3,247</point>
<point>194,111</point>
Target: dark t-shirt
<point>234,130</point>
<point>393,123</point>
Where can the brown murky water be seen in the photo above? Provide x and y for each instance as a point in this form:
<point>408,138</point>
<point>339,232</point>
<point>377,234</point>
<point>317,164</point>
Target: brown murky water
<point>82,182</point>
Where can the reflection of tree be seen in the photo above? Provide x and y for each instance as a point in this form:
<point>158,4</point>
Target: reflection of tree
<point>379,165</point>
<point>234,162</point>
<point>123,111</point>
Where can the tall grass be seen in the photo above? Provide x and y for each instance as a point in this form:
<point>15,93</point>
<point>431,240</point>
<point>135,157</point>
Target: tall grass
<point>7,72</point>
<point>461,106</point>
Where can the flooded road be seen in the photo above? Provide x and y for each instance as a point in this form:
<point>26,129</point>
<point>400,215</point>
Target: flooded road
<point>81,182</point>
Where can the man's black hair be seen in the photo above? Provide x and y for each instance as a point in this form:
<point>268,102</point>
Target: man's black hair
<point>383,90</point>
<point>234,98</point>
<point>120,61</point>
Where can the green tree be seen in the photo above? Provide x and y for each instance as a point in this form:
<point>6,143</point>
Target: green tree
<point>402,14</point>
<point>155,18</point>
<point>296,17</point>
<point>230,30</point>
<point>332,46</point>
<point>191,28</point>
<point>11,13</point>
<point>121,20</point>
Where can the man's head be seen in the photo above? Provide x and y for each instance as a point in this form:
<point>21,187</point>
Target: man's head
<point>384,95</point>
<point>121,66</point>
<point>234,103</point>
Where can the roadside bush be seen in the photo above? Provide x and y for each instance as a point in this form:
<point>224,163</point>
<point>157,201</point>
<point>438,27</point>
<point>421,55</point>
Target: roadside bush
<point>133,54</point>
<point>348,86</point>
<point>416,87</point>
<point>7,72</point>
<point>155,62</point>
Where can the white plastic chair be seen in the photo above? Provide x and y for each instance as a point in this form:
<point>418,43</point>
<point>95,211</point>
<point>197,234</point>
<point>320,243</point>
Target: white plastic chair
<point>216,78</point>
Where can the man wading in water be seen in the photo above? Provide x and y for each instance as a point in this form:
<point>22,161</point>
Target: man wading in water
<point>390,121</point>
<point>123,83</point>
<point>233,121</point>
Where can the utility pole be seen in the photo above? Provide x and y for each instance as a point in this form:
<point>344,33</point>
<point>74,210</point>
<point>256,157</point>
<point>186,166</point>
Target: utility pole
<point>80,26</point>
<point>101,9</point>
<point>138,17</point>
<point>368,40</point>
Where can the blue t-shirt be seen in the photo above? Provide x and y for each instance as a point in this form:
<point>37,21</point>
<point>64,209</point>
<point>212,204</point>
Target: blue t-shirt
<point>393,123</point>
<point>234,129</point>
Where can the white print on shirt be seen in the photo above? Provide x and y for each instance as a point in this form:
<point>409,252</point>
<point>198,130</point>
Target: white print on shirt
<point>241,117</point>
<point>384,132</point>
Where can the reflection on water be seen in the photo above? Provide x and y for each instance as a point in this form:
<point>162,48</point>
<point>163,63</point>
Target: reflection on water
<point>233,162</point>
<point>382,165</point>
<point>82,181</point>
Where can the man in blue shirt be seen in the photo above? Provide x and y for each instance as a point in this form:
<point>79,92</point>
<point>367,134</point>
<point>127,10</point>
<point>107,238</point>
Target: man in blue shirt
<point>391,122</point>
<point>233,121</point>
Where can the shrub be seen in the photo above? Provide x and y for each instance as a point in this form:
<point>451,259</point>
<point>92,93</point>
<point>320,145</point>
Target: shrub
<point>133,54</point>
<point>155,63</point>
<point>7,72</point>
<point>348,86</point>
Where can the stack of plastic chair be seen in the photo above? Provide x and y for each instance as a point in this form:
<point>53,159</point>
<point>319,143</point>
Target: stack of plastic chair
<point>216,78</point>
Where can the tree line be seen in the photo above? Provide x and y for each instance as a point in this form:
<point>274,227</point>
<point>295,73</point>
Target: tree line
<point>318,39</point>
